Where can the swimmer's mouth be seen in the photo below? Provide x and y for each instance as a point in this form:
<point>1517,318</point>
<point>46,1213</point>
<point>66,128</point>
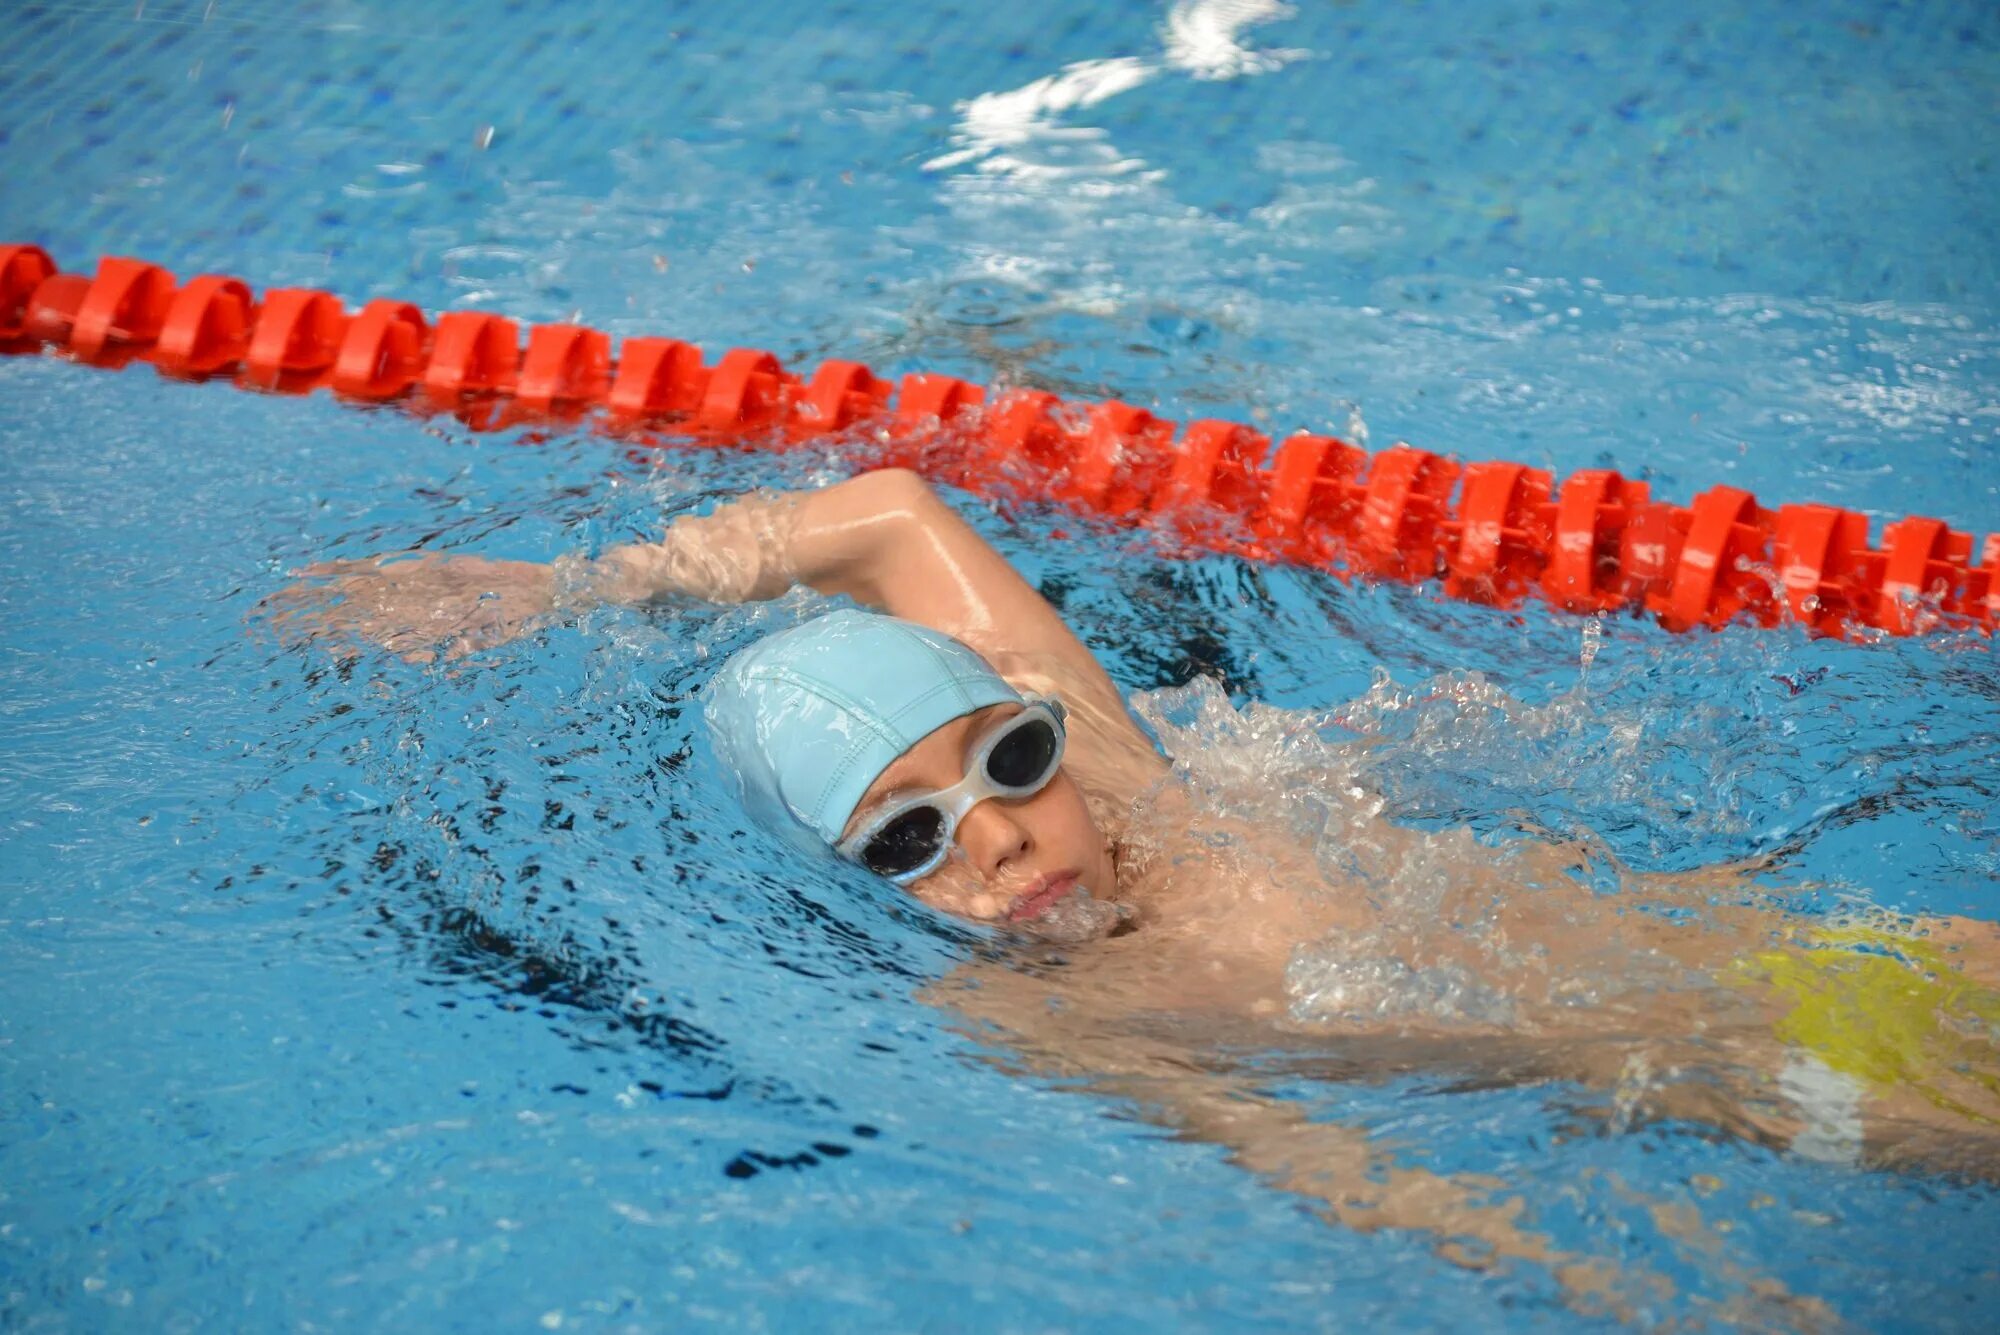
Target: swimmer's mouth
<point>1042,896</point>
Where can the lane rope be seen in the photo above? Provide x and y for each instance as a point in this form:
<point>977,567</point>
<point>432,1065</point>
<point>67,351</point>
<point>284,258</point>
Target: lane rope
<point>1489,532</point>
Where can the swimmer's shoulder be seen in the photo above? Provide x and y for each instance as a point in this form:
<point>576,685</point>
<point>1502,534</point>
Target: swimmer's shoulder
<point>1106,743</point>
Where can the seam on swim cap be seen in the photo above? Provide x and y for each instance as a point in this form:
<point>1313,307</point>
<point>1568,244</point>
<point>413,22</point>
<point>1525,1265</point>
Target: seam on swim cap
<point>876,715</point>
<point>877,723</point>
<point>848,762</point>
<point>784,676</point>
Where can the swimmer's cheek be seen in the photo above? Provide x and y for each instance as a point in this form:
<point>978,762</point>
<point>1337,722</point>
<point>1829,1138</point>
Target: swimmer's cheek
<point>951,892</point>
<point>978,906</point>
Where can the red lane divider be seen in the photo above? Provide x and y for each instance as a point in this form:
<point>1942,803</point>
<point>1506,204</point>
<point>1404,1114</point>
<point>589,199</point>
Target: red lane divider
<point>1489,532</point>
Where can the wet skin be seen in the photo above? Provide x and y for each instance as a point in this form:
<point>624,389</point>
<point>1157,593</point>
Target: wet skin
<point>1148,1015</point>
<point>1013,859</point>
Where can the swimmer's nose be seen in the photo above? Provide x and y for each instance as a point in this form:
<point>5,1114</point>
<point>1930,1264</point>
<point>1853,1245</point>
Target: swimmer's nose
<point>993,837</point>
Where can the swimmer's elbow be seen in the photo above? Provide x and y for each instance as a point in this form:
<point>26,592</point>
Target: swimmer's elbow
<point>889,514</point>
<point>895,490</point>
<point>860,537</point>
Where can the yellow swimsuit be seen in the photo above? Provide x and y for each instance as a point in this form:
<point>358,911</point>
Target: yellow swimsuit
<point>1889,1010</point>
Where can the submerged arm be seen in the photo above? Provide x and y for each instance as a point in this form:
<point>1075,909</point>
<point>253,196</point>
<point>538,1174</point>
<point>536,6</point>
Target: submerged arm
<point>1357,1178</point>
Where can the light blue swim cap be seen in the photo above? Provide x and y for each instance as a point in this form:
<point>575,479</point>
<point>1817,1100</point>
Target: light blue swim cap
<point>809,717</point>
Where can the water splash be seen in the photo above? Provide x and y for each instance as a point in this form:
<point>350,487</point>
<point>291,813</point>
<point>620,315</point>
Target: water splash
<point>1077,917</point>
<point>1448,809</point>
<point>1328,983</point>
<point>1267,797</point>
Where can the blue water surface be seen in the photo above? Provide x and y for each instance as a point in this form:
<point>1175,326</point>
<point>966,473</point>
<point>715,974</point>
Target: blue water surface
<point>338,994</point>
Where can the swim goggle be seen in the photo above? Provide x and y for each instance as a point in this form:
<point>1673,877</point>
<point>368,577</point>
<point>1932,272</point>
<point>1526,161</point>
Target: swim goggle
<point>910,839</point>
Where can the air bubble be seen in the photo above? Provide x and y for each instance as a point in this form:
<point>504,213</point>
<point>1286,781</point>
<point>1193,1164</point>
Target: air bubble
<point>1077,917</point>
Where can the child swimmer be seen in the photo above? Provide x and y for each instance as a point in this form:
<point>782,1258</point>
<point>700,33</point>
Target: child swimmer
<point>863,709</point>
<point>959,740</point>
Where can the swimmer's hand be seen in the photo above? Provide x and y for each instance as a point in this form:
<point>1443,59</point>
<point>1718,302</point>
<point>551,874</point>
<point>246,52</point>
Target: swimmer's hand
<point>426,606</point>
<point>420,605</point>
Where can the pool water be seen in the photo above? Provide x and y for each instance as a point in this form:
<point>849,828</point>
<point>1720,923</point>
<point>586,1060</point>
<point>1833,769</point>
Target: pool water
<point>353,993</point>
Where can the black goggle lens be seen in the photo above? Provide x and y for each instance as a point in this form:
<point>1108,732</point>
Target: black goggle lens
<point>905,843</point>
<point>1023,756</point>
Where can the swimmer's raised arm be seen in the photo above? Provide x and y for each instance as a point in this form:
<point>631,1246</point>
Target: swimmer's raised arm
<point>886,540</point>
<point>883,538</point>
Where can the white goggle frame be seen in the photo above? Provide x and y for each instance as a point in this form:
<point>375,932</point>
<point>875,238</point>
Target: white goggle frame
<point>954,802</point>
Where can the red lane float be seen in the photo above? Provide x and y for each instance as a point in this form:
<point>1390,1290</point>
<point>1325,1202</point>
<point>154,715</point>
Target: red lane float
<point>1489,532</point>
<point>1498,542</point>
<point>207,327</point>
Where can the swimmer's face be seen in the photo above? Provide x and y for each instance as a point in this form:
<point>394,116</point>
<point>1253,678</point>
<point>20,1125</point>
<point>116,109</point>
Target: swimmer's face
<point>1016,860</point>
